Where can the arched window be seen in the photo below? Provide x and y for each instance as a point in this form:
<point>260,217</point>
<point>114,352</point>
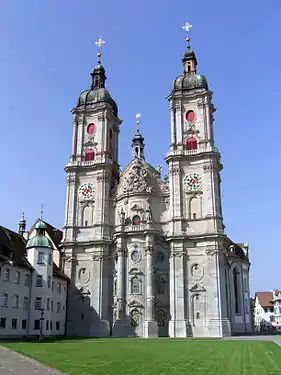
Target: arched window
<point>115,287</point>
<point>191,144</point>
<point>135,285</point>
<point>190,116</point>
<point>161,285</point>
<point>136,220</point>
<point>236,292</point>
<point>161,318</point>
<point>90,155</point>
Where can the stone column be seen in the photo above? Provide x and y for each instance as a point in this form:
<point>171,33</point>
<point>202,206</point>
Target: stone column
<point>179,123</point>
<point>178,325</point>
<point>121,284</point>
<point>173,135</point>
<point>150,324</point>
<point>121,326</point>
<point>74,140</point>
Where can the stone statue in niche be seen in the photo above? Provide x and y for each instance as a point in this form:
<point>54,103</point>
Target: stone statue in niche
<point>122,216</point>
<point>196,271</point>
<point>148,215</point>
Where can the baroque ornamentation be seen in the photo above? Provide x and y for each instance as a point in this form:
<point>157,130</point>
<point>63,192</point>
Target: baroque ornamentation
<point>175,171</point>
<point>138,180</point>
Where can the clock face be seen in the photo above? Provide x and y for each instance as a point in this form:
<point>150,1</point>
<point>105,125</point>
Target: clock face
<point>87,191</point>
<point>192,182</point>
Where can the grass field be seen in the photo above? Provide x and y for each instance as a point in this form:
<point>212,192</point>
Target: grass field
<point>162,357</point>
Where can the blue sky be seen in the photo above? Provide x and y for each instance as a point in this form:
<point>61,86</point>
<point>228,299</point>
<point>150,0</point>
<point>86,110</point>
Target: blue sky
<point>47,53</point>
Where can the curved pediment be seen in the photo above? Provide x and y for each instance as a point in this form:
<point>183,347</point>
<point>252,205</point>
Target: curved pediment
<point>141,177</point>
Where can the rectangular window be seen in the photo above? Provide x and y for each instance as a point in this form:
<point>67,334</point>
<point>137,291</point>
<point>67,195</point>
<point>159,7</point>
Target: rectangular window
<point>37,324</point>
<point>24,324</point>
<point>51,325</point>
<point>3,323</point>
<point>57,326</point>
<point>58,307</point>
<point>26,280</point>
<point>52,285</point>
<point>7,274</point>
<point>41,259</point>
<point>194,215</point>
<point>47,325</point>
<point>17,278</point>
<point>38,301</point>
<point>25,303</point>
<point>50,259</point>
<point>52,306</point>
<point>16,301</point>
<point>59,288</point>
<point>5,300</point>
<point>49,282</point>
<point>39,281</point>
<point>245,285</point>
<point>14,323</point>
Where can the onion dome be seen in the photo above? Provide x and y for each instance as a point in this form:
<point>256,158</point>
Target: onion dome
<point>137,142</point>
<point>97,93</point>
<point>190,79</point>
<point>40,240</point>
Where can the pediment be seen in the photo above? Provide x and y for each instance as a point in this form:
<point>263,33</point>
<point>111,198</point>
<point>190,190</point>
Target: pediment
<point>197,287</point>
<point>135,303</point>
<point>137,208</point>
<point>141,177</point>
<point>135,271</point>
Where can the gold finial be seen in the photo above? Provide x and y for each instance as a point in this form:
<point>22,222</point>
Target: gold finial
<point>138,116</point>
<point>187,27</point>
<point>99,43</point>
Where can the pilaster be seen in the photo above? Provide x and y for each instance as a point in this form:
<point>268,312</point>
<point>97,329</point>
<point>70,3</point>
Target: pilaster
<point>150,324</point>
<point>178,325</point>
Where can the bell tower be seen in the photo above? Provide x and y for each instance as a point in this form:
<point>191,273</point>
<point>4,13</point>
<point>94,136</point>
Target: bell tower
<point>196,225</point>
<point>92,174</point>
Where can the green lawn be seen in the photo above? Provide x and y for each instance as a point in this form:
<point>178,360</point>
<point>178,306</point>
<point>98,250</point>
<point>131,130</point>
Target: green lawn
<point>162,357</point>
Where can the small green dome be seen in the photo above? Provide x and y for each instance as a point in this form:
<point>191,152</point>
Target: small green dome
<point>98,95</point>
<point>98,69</point>
<point>190,82</point>
<point>138,138</point>
<point>39,241</point>
<point>40,225</point>
<point>189,54</point>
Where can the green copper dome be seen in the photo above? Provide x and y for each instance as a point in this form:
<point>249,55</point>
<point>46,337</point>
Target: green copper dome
<point>98,95</point>
<point>39,241</point>
<point>190,82</point>
<point>40,225</point>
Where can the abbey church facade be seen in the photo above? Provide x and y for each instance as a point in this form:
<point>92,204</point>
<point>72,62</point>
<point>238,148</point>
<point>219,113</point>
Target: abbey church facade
<point>148,256</point>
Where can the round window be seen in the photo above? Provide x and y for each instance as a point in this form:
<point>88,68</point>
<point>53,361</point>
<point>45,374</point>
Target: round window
<point>91,128</point>
<point>190,116</point>
<point>135,256</point>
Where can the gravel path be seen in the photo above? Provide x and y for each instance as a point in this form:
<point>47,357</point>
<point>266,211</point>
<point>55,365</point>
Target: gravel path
<point>12,363</point>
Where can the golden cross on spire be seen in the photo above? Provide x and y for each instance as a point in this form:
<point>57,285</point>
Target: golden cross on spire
<point>100,42</point>
<point>138,116</point>
<point>187,27</point>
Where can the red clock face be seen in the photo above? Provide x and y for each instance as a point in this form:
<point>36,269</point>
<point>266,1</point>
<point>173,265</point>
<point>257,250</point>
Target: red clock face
<point>190,116</point>
<point>91,128</point>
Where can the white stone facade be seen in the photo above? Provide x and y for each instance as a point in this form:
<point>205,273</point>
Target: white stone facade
<point>32,288</point>
<point>267,311</point>
<point>149,257</point>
